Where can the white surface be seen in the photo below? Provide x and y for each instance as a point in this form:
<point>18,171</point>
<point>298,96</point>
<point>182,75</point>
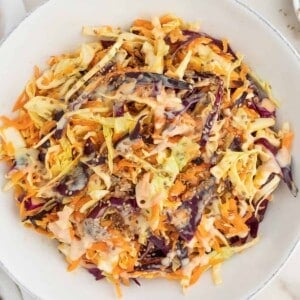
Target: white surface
<point>297,8</point>
<point>11,13</point>
<point>8,290</point>
<point>286,285</point>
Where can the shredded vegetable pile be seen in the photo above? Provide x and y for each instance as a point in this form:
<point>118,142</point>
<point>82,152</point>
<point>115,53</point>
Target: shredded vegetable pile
<point>146,153</point>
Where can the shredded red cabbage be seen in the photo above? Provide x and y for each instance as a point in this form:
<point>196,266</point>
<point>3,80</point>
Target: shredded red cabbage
<point>150,78</point>
<point>136,132</point>
<point>98,210</point>
<point>288,179</point>
<point>89,147</point>
<point>195,206</point>
<point>136,281</point>
<point>96,273</point>
<point>118,110</point>
<point>31,206</point>
<point>213,116</point>
<point>253,224</point>
<point>74,182</point>
<point>192,35</point>
<point>236,144</point>
<point>263,141</point>
<point>262,111</point>
<point>159,244</point>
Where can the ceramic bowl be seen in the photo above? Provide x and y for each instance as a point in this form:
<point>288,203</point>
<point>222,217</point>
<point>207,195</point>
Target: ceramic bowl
<point>33,261</point>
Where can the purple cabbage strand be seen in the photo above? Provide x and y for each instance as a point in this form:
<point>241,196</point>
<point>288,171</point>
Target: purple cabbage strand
<point>212,116</point>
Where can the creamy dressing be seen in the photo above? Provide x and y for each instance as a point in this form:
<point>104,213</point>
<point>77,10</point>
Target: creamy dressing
<point>107,262</point>
<point>61,227</point>
<point>283,157</point>
<point>13,136</point>
<point>187,270</point>
<point>79,247</point>
<point>166,261</point>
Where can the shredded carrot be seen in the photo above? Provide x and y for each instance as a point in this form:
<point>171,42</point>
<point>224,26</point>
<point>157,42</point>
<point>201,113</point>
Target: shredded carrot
<point>198,41</point>
<point>177,189</point>
<point>238,93</point>
<point>99,246</point>
<point>118,289</point>
<point>143,23</point>
<point>9,148</point>
<point>74,265</point>
<point>22,99</point>
<point>36,72</point>
<point>287,140</point>
<point>244,71</point>
<point>79,201</point>
<point>155,211</point>
<point>92,256</point>
<point>124,163</point>
<point>197,272</point>
<point>125,281</point>
<point>225,45</point>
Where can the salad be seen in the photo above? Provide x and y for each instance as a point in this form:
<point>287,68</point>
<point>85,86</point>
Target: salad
<point>146,153</point>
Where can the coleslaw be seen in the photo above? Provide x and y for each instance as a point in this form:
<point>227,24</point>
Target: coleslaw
<point>146,153</point>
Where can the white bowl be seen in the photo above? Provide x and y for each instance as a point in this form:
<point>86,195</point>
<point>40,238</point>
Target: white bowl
<point>33,261</point>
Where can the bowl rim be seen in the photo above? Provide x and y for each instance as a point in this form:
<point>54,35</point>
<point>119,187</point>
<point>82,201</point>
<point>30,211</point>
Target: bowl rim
<point>293,51</point>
